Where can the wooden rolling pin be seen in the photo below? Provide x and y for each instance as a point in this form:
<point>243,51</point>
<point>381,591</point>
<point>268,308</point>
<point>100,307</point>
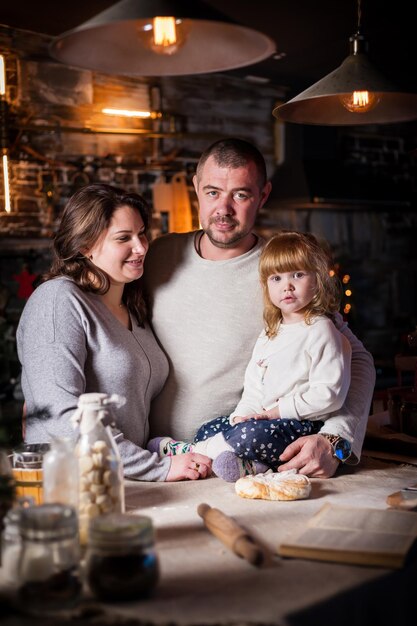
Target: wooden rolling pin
<point>231,534</point>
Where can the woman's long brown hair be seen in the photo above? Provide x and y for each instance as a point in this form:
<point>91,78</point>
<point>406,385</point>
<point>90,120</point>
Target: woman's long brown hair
<point>85,218</point>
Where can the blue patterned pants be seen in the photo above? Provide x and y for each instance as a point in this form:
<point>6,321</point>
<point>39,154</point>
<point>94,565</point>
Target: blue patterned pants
<point>259,440</point>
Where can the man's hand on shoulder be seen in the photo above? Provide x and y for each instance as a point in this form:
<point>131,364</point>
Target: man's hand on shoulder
<point>311,455</point>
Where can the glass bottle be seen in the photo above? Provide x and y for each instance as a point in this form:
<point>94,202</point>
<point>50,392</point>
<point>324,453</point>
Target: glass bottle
<point>121,561</point>
<point>60,473</point>
<point>101,488</point>
<point>48,569</point>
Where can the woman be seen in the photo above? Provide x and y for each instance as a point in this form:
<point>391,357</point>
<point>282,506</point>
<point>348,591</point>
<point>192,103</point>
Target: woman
<point>84,330</point>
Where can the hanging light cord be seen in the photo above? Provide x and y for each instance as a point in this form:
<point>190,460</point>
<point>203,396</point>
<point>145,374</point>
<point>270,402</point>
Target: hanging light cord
<point>359,17</point>
<point>358,42</point>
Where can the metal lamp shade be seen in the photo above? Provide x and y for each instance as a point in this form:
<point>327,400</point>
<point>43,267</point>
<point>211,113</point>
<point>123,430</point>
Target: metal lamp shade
<point>109,41</point>
<point>321,103</point>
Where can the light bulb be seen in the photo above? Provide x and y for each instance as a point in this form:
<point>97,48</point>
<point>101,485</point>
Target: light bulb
<point>359,101</point>
<point>163,35</point>
<point>6,183</point>
<point>5,160</point>
<point>129,113</point>
<point>2,76</point>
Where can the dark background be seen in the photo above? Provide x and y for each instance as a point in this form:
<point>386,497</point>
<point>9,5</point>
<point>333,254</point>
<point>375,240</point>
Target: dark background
<point>313,36</point>
<point>354,186</point>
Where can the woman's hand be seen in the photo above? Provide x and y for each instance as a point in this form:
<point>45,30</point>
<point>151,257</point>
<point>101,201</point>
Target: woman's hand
<point>189,466</point>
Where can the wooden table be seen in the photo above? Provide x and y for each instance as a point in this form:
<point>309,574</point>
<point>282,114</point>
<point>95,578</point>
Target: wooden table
<point>202,582</point>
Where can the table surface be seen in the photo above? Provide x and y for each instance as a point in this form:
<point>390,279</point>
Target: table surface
<point>203,582</point>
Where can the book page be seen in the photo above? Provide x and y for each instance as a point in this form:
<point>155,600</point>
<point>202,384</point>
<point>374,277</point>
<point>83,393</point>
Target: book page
<point>358,541</point>
<point>354,535</point>
<point>372,520</point>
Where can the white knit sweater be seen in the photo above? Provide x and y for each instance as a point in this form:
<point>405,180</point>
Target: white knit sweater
<point>304,370</point>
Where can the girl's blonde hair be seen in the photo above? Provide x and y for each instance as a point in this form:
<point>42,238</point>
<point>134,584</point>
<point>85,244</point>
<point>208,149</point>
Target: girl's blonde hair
<point>288,251</point>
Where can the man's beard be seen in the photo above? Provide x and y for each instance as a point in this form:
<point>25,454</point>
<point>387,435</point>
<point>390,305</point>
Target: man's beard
<point>235,235</point>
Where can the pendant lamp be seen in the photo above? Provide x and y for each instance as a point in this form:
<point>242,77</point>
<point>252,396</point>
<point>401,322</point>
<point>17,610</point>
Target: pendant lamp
<point>161,38</point>
<point>354,93</point>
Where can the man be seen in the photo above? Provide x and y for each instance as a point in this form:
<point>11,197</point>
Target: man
<point>206,310</point>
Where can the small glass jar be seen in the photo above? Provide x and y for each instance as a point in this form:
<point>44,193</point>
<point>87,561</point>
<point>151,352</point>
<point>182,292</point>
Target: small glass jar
<point>11,541</point>
<point>27,470</point>
<point>11,546</point>
<point>121,561</point>
<point>60,473</point>
<point>48,570</point>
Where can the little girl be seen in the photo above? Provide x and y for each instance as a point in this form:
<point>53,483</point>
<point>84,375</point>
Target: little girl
<point>299,372</point>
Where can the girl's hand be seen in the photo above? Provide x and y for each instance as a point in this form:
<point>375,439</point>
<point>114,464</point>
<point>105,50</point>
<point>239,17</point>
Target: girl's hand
<point>239,420</point>
<point>272,414</point>
<point>189,466</point>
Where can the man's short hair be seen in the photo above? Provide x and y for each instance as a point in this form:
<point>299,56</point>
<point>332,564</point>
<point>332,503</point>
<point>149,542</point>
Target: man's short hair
<point>234,152</point>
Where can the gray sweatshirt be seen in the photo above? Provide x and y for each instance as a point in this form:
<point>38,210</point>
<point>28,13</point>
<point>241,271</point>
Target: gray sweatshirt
<point>69,343</point>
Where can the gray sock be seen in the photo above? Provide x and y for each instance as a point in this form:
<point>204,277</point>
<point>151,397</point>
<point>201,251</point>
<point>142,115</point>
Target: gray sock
<point>230,467</point>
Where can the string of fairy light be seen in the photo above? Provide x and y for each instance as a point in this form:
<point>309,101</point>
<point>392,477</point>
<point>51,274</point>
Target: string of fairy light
<point>347,291</point>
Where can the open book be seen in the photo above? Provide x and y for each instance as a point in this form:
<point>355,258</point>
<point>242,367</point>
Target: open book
<point>361,536</point>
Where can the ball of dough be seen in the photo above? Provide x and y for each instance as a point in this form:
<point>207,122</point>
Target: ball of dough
<point>288,485</point>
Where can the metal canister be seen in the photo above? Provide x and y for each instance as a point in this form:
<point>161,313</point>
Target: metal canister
<point>27,462</point>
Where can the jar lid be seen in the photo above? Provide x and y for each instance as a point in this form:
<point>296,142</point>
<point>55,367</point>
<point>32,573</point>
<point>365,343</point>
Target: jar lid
<point>120,529</point>
<point>48,522</point>
<point>30,455</point>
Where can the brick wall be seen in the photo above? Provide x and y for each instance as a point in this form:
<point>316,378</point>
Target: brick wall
<point>60,140</point>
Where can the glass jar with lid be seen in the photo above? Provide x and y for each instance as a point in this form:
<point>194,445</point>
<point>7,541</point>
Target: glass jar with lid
<point>27,462</point>
<point>11,541</point>
<point>121,560</point>
<point>48,569</point>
